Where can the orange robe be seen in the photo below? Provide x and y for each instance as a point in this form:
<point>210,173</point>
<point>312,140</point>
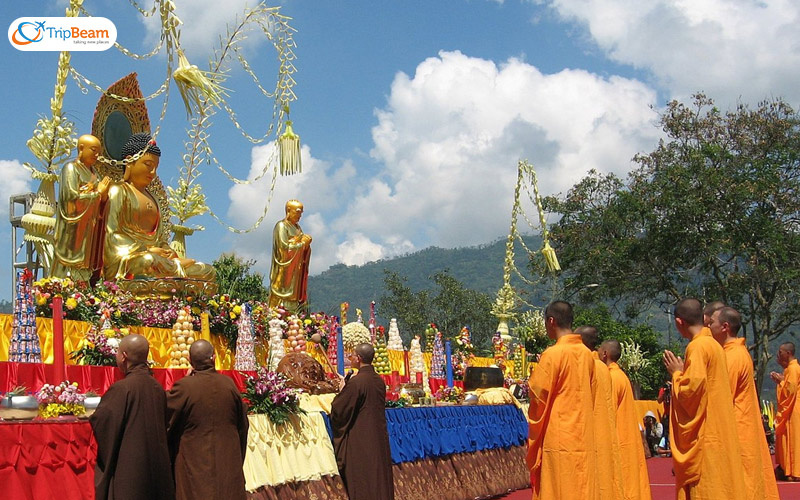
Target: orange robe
<point>636,481</point>
<point>702,434</point>
<point>787,421</point>
<point>561,452</point>
<point>607,452</point>
<point>759,478</point>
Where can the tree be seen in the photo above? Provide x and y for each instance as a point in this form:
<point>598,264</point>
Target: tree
<point>713,212</point>
<point>235,278</point>
<point>451,307</point>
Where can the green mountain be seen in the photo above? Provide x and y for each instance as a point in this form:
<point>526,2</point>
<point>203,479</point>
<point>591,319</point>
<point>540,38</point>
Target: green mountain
<point>479,268</point>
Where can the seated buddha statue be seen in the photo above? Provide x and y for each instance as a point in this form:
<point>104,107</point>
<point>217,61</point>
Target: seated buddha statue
<point>135,243</point>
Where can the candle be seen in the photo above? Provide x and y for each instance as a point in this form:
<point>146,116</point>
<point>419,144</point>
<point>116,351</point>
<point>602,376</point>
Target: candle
<point>339,350</point>
<point>448,358</point>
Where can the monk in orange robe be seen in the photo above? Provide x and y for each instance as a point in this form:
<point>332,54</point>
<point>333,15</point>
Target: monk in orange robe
<point>787,421</point>
<point>604,417</point>
<point>561,453</point>
<point>705,449</point>
<point>636,482</point>
<point>759,478</point>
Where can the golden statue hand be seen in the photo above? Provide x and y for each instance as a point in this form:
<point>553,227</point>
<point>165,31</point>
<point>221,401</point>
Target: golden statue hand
<point>102,187</point>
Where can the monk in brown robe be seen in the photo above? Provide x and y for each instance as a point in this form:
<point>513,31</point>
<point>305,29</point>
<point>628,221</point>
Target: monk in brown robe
<point>759,478</point>
<point>604,418</point>
<point>561,446</point>
<point>705,447</point>
<point>207,431</point>
<point>787,421</point>
<point>360,438</point>
<point>130,427</point>
<point>636,485</point>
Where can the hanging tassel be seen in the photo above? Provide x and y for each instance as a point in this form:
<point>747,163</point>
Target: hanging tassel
<point>550,258</point>
<point>289,144</point>
<point>195,84</point>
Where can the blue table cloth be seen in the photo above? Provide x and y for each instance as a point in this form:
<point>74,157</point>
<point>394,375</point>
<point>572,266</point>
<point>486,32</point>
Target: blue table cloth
<point>416,433</point>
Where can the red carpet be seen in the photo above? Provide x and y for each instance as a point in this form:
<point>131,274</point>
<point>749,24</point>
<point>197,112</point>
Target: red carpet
<point>662,483</point>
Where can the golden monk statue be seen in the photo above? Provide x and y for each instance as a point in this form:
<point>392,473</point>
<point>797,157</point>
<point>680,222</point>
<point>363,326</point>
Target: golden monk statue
<point>291,254</point>
<point>135,244</point>
<point>78,240</point>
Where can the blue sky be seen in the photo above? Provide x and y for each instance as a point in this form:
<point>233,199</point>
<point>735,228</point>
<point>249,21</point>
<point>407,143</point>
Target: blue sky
<point>412,114</point>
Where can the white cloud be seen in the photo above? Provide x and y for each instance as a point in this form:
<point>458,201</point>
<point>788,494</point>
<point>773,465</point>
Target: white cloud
<point>16,180</point>
<point>321,190</point>
<point>730,49</point>
<point>448,142</point>
<point>451,135</point>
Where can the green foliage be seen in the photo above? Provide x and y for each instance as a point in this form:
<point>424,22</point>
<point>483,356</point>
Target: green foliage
<point>712,212</point>
<point>451,306</point>
<point>235,279</point>
<point>651,377</point>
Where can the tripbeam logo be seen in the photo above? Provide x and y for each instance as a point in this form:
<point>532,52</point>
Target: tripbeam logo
<point>62,33</point>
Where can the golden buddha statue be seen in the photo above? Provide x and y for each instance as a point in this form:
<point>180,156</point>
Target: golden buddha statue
<point>291,254</point>
<point>78,240</point>
<point>135,242</point>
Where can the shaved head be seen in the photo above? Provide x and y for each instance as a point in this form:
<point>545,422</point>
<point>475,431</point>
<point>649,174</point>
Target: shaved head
<point>201,354</point>
<point>713,307</point>
<point>788,347</point>
<point>366,352</point>
<point>136,348</point>
<point>613,348</point>
<point>588,336</point>
<point>690,311</point>
<point>732,317</point>
<point>561,312</point>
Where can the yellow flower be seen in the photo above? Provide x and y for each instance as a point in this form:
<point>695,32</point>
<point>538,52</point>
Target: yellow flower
<point>40,300</point>
<point>117,314</point>
<point>237,309</point>
<point>71,303</point>
<point>110,333</point>
<point>124,331</point>
<point>195,310</point>
<point>307,321</point>
<point>233,316</point>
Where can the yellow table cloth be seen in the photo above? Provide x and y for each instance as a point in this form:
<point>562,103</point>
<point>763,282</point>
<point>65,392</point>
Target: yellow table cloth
<point>299,450</point>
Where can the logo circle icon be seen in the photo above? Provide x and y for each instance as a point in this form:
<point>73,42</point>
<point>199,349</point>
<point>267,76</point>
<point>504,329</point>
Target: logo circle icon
<point>37,38</point>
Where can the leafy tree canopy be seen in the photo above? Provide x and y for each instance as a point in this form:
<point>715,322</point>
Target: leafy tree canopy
<point>713,212</point>
<point>235,278</point>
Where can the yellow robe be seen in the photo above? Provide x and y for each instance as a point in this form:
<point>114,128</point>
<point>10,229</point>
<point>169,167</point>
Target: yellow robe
<point>561,451</point>
<point>702,435</point>
<point>759,478</point>
<point>607,451</point>
<point>787,422</point>
<point>636,480</point>
<point>288,276</point>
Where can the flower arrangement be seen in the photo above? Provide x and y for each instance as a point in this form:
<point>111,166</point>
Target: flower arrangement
<point>267,393</point>
<point>99,347</point>
<point>61,399</point>
<point>446,394</point>
<point>354,334</point>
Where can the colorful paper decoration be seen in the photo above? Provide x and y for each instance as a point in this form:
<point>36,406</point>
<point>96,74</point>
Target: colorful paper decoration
<point>245,349</point>
<point>438,360</point>
<point>25,347</point>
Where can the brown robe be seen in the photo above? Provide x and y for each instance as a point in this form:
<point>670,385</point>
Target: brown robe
<point>360,439</point>
<point>130,426</point>
<point>207,436</point>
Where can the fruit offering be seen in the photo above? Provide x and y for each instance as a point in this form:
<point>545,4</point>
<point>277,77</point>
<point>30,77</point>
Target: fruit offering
<point>183,336</point>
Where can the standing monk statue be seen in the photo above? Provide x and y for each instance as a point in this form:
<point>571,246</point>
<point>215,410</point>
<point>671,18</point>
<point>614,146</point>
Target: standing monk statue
<point>78,241</point>
<point>291,254</point>
<point>135,243</point>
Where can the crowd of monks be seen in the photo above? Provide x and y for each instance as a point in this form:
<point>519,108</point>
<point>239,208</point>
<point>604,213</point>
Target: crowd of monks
<point>584,434</point>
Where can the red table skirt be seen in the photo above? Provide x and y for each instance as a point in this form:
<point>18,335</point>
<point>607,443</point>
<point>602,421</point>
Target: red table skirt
<point>47,460</point>
<point>96,378</point>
